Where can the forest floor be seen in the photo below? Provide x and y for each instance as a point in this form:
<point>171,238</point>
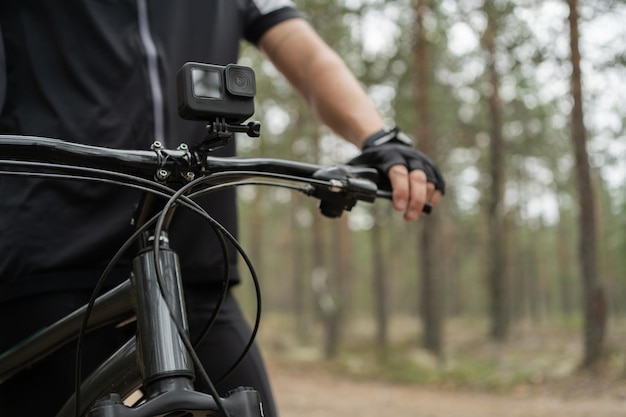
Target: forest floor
<point>309,392</point>
<point>534,374</point>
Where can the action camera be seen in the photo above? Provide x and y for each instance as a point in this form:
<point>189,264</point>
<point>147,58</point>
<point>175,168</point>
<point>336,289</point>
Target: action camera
<point>209,92</point>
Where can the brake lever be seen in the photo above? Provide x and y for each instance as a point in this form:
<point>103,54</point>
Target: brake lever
<point>345,186</point>
<point>353,183</point>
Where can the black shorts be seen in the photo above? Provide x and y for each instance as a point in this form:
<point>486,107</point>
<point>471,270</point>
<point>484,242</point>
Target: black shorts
<point>44,389</point>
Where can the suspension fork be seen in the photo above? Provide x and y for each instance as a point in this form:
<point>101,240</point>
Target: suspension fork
<point>163,357</point>
<point>166,366</point>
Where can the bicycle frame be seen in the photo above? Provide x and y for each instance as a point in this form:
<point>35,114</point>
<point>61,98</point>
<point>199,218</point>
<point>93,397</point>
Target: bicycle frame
<point>159,361</point>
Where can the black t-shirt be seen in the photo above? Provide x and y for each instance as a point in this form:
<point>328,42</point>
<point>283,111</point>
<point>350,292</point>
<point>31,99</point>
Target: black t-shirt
<point>103,72</point>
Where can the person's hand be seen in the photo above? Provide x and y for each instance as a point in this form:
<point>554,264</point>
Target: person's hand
<point>415,179</point>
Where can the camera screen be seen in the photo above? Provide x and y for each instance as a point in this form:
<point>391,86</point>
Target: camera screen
<point>206,83</point>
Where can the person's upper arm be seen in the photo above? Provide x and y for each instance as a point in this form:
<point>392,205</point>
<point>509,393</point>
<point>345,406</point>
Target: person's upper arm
<point>295,48</point>
<point>262,15</point>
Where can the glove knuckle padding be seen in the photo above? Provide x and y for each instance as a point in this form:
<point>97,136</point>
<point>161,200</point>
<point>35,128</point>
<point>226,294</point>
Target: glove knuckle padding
<point>384,156</point>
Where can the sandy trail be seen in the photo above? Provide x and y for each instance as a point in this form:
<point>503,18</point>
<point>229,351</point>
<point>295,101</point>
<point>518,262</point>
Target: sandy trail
<point>304,392</point>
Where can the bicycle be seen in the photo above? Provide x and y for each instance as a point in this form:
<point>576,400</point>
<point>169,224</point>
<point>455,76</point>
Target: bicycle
<point>160,360</point>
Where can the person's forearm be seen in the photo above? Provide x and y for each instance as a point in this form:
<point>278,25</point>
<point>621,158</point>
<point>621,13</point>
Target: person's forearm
<point>339,100</point>
<point>323,79</point>
<point>318,73</point>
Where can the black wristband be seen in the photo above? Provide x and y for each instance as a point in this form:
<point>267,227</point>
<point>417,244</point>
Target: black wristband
<point>387,135</point>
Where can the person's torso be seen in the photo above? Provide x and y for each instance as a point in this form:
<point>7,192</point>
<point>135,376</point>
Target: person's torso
<point>103,72</point>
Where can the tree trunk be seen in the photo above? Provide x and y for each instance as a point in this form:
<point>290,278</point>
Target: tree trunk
<point>302,249</point>
<point>497,274</point>
<point>325,302</point>
<point>380,286</point>
<point>299,268</point>
<point>593,294</point>
<point>568,304</point>
<point>431,305</point>
<point>339,285</point>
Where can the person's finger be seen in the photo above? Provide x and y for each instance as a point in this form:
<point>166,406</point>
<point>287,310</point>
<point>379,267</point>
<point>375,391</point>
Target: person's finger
<point>435,198</point>
<point>399,178</point>
<point>430,191</point>
<point>418,186</point>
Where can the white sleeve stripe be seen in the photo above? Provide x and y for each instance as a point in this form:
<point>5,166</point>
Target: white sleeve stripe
<point>268,6</point>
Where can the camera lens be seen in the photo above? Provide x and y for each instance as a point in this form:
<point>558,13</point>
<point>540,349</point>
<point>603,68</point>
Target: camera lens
<point>240,81</point>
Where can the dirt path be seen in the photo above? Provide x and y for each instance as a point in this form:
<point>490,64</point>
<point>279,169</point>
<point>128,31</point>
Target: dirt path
<point>317,393</point>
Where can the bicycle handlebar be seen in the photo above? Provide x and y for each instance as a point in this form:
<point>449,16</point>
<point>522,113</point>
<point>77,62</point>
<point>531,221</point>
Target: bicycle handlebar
<point>338,187</point>
<point>41,149</point>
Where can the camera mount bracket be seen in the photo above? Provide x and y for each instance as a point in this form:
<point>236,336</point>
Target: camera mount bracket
<point>219,132</point>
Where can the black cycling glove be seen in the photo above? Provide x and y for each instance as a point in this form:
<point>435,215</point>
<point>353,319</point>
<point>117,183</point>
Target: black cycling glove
<point>389,147</point>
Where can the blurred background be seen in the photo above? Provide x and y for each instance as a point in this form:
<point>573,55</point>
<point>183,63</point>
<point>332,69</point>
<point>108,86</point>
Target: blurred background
<point>519,277</point>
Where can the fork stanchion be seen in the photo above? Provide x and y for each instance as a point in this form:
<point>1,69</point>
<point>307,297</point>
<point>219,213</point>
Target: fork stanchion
<point>165,356</point>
